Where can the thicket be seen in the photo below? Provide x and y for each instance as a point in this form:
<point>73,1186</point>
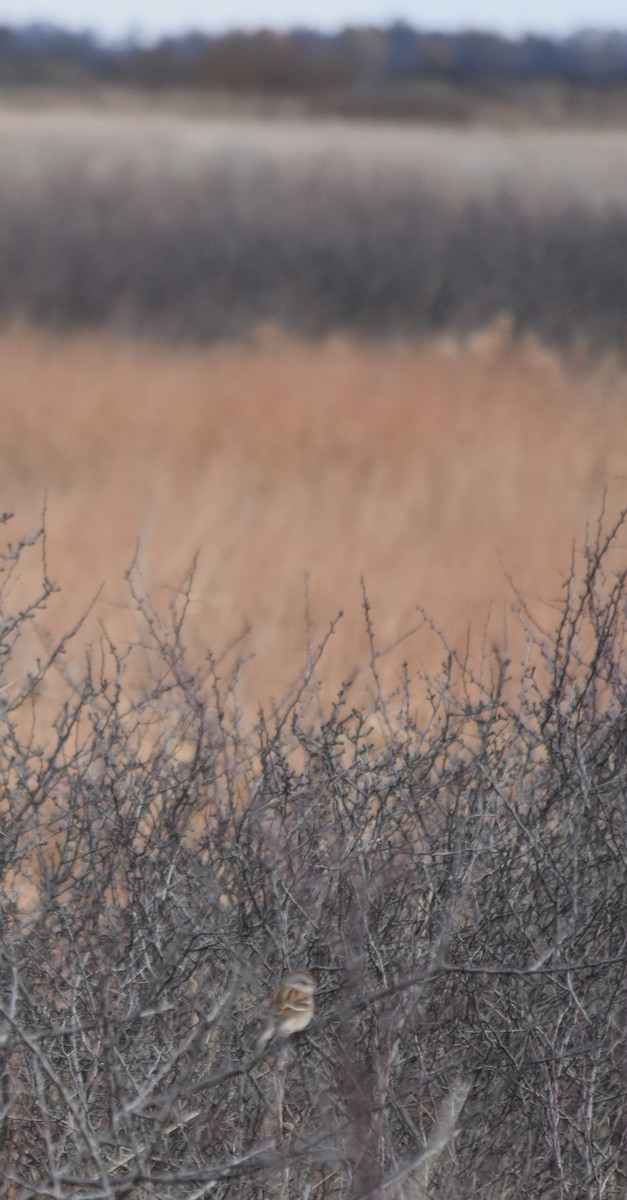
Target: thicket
<point>449,861</point>
<point>312,247</point>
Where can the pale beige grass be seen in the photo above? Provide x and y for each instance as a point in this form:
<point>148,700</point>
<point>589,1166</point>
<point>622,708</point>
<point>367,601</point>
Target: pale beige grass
<point>542,167</point>
<point>431,470</point>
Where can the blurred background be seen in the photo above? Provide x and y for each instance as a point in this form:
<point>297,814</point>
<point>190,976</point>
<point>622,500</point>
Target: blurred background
<point>328,299</point>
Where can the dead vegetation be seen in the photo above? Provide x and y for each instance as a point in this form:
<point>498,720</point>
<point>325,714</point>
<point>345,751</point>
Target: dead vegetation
<point>456,887</point>
<point>217,776</point>
<point>432,471</point>
<point>197,229</point>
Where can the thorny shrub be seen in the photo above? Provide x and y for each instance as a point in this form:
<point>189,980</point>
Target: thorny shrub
<point>453,873</point>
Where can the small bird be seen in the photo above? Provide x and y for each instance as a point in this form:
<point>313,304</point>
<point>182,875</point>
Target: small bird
<point>290,1009</point>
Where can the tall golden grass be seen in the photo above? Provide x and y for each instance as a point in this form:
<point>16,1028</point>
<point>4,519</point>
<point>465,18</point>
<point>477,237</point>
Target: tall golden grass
<point>431,470</point>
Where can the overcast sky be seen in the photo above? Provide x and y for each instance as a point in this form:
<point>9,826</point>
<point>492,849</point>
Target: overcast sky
<point>150,17</point>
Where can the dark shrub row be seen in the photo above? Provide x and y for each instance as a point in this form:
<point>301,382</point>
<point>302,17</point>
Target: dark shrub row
<point>210,257</point>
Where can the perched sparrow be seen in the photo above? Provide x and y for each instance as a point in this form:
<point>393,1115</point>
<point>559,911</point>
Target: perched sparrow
<point>290,1008</point>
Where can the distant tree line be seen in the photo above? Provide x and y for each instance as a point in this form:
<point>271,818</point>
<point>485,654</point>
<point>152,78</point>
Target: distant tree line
<point>307,61</point>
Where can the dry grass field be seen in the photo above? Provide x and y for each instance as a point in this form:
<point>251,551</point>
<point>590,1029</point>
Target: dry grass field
<point>542,167</point>
<point>433,470</point>
<point>282,366</point>
<point>431,466</point>
<point>196,228</point>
